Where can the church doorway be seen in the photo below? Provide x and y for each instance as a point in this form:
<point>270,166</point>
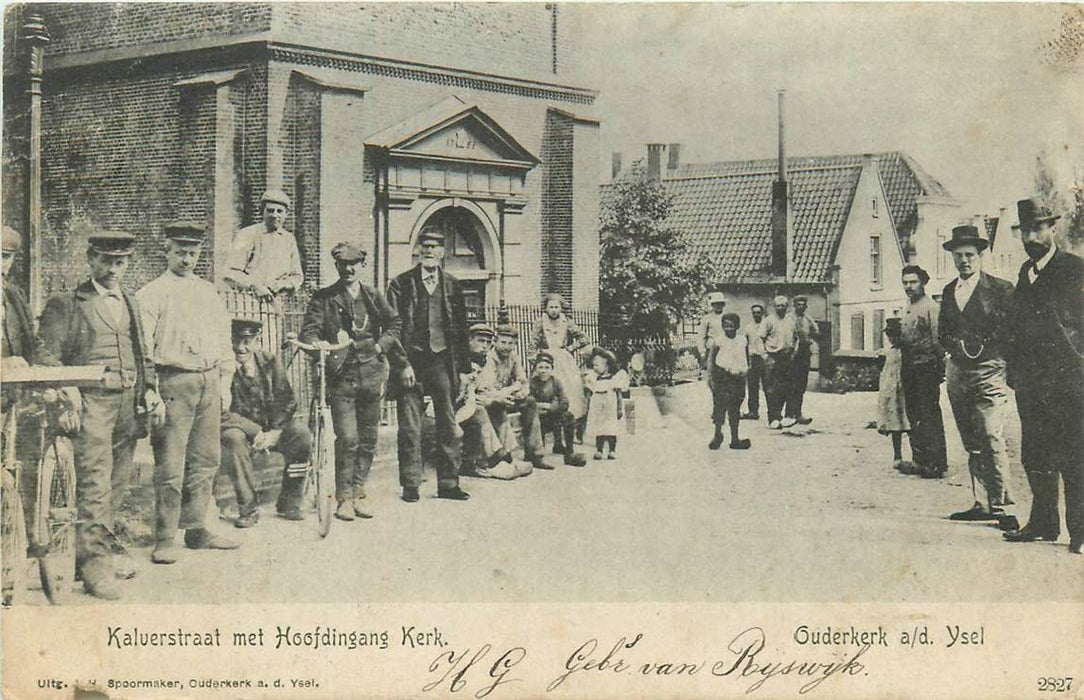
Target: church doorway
<point>465,256</point>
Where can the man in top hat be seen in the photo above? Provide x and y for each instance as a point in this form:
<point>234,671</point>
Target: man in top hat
<point>923,370</point>
<point>807,333</point>
<point>100,324</point>
<point>188,337</point>
<point>430,303</point>
<point>261,418</point>
<point>971,328</point>
<point>1046,368</point>
<point>20,346</point>
<point>356,376</point>
<point>755,379</point>
<point>263,257</point>
<point>780,341</point>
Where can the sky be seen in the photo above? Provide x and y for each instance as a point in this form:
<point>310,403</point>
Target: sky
<point>961,88</point>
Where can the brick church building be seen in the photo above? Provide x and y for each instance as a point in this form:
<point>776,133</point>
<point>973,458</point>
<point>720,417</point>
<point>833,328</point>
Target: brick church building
<point>377,120</point>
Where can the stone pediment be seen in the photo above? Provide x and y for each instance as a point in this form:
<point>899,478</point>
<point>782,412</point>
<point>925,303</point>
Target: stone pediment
<point>454,130</point>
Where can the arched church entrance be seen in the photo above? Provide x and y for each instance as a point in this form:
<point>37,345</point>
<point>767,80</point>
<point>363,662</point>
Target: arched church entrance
<point>468,253</point>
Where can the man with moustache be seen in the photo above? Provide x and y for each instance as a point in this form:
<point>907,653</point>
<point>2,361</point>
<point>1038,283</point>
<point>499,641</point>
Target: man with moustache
<point>923,371</point>
<point>356,375</point>
<point>1046,368</point>
<point>430,304</point>
<point>188,337</point>
<point>807,332</point>
<point>263,257</point>
<point>755,378</point>
<point>780,340</point>
<point>972,329</point>
<point>100,325</point>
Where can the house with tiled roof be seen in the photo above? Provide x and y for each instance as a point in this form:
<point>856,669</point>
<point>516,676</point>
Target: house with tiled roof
<point>852,222</point>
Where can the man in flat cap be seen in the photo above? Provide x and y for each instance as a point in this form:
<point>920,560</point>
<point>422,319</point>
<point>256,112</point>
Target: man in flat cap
<point>1046,368</point>
<point>757,355</point>
<point>780,341</point>
<point>261,419</point>
<point>188,337</point>
<point>971,328</point>
<point>807,333</point>
<point>923,370</point>
<point>100,324</point>
<point>430,303</point>
<point>263,257</point>
<point>20,346</point>
<point>357,376</point>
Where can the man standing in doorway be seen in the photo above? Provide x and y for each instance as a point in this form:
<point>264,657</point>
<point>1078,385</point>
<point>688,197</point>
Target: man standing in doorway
<point>755,378</point>
<point>188,337</point>
<point>430,305</point>
<point>780,340</point>
<point>1046,368</point>
<point>263,257</point>
<point>807,333</point>
<point>971,328</point>
<point>923,371</point>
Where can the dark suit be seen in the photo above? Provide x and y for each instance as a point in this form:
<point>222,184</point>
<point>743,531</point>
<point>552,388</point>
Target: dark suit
<point>357,376</point>
<point>263,401</point>
<point>18,328</point>
<point>1046,368</point>
<point>976,339</point>
<point>437,372</point>
<point>79,329</point>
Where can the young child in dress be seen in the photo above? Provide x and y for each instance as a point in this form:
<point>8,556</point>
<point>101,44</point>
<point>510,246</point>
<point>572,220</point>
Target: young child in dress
<point>605,384</point>
<point>893,414</point>
<point>728,362</point>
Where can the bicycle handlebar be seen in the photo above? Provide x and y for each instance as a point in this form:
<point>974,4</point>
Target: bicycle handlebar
<point>314,348</point>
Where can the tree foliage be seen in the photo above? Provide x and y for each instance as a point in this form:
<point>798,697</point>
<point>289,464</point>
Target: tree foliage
<point>649,275</point>
<point>1067,201</point>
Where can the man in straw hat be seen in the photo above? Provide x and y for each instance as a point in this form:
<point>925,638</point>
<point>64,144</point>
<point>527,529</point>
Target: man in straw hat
<point>971,328</point>
<point>263,257</point>
<point>1046,368</point>
<point>188,337</point>
<point>100,324</point>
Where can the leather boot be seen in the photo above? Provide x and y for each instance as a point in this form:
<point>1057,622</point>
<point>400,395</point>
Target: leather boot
<point>1043,518</point>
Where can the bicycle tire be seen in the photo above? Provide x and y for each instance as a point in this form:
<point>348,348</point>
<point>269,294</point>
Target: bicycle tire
<point>12,541</point>
<point>56,518</point>
<point>322,471</point>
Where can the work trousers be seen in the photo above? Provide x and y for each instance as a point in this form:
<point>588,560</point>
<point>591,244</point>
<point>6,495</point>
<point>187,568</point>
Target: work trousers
<point>978,395</point>
<point>295,446</point>
<point>753,381</point>
<point>1052,441</point>
<point>922,399</point>
<point>727,391</point>
<point>799,382</point>
<point>434,374</point>
<point>104,467</point>
<point>355,398</point>
<point>528,423</point>
<point>777,377</point>
<point>186,449</point>
<point>560,423</point>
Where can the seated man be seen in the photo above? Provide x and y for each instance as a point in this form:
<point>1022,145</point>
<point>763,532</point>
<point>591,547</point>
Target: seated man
<point>487,448</point>
<point>506,390</point>
<point>261,418</point>
<point>552,406</point>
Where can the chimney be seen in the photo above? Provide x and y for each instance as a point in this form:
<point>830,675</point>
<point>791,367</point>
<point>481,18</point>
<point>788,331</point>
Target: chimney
<point>615,165</point>
<point>673,156</point>
<point>654,160</point>
<point>779,207</point>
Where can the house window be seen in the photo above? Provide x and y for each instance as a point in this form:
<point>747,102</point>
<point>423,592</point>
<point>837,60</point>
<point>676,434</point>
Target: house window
<point>874,207</point>
<point>875,261</point>
<point>878,329</point>
<point>858,331</point>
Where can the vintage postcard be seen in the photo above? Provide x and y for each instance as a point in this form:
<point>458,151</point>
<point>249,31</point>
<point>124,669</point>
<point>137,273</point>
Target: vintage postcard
<point>526,350</point>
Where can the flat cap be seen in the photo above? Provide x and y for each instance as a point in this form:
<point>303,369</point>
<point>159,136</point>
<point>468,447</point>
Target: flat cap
<point>347,252</point>
<point>507,330</point>
<point>431,233</point>
<point>12,241</point>
<point>276,196</point>
<point>801,297</point>
<point>482,329</point>
<point>185,232</point>
<point>544,356</point>
<point>246,327</point>
<point>117,243</point>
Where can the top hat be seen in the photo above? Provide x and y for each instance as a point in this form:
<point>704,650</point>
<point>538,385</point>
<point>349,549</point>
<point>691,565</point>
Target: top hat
<point>275,196</point>
<point>482,329</point>
<point>508,330</point>
<point>1032,212</point>
<point>245,327</point>
<point>185,232</point>
<point>966,235</point>
<point>115,243</point>
<point>431,233</point>
<point>716,298</point>
<point>347,252</point>
<point>12,241</point>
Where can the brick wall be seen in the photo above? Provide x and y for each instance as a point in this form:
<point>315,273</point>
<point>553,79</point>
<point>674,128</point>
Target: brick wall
<point>557,164</point>
<point>301,171</point>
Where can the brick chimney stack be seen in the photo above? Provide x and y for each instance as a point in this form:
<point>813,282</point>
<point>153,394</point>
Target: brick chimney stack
<point>673,156</point>
<point>779,220</point>
<point>654,160</point>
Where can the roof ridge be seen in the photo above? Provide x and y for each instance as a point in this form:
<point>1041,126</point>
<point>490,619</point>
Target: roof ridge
<point>760,171</point>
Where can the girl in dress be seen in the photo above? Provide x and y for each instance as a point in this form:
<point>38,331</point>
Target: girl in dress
<point>893,412</point>
<point>558,334</point>
<point>605,384</point>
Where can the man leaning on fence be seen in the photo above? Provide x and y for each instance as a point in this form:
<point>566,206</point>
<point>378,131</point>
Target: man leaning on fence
<point>263,257</point>
<point>261,419</point>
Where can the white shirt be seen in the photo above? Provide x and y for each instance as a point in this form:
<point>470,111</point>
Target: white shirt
<point>187,324</point>
<point>113,300</point>
<point>964,289</point>
<point>1037,266</point>
<point>731,355</point>
<point>431,278</point>
<point>268,257</point>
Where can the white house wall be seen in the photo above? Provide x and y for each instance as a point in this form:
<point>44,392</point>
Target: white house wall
<point>936,219</point>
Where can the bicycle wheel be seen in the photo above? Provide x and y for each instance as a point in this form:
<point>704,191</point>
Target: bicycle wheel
<point>56,516</point>
<point>322,471</point>
<point>13,541</point>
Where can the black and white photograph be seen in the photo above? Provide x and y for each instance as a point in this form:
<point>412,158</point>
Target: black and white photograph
<point>522,350</point>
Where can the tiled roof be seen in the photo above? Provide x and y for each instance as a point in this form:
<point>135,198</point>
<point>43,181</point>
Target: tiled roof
<point>724,209</point>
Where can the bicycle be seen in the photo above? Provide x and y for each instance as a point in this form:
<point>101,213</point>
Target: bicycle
<point>54,509</point>
<point>319,489</point>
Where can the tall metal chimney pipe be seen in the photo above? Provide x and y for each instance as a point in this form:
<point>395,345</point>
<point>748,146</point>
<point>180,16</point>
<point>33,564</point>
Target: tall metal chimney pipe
<point>782,148</point>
